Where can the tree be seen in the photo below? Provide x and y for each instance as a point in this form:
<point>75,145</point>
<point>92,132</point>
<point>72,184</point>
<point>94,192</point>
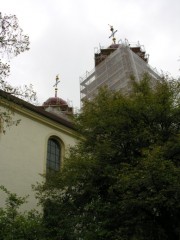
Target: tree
<point>18,225</point>
<point>122,181</point>
<point>12,43</point>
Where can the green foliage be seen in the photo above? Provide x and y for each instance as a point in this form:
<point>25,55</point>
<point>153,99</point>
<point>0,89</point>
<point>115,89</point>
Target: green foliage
<point>122,182</point>
<point>16,225</point>
<point>12,43</point>
<point>12,39</point>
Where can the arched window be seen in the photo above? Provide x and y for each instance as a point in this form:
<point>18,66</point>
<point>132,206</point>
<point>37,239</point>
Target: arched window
<point>53,155</point>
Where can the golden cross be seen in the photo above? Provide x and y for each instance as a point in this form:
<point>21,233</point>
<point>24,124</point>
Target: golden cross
<point>113,33</point>
<point>55,85</point>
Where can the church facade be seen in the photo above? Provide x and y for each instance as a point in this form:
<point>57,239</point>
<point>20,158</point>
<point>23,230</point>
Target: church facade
<point>36,145</point>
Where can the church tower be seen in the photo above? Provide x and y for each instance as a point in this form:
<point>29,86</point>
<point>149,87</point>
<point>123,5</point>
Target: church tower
<point>113,67</point>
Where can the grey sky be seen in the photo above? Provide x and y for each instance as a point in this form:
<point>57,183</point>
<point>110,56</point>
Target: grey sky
<point>64,33</point>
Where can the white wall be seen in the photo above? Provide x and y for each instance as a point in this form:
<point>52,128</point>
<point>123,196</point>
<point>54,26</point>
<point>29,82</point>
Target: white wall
<point>23,151</point>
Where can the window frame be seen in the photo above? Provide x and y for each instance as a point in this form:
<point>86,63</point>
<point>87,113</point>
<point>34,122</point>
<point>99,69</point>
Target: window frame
<point>54,154</point>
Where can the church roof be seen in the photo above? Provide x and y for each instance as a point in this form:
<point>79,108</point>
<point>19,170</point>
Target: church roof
<point>114,45</point>
<point>36,109</point>
<point>54,101</point>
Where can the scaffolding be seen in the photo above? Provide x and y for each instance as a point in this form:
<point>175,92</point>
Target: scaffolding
<point>113,68</point>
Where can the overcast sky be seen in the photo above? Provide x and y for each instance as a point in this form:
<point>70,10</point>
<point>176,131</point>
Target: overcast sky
<point>64,33</point>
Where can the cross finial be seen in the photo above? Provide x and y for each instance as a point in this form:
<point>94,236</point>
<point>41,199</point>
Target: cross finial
<point>55,85</point>
<point>113,33</point>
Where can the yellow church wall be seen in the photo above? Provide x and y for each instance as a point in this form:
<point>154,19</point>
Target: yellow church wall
<point>23,151</point>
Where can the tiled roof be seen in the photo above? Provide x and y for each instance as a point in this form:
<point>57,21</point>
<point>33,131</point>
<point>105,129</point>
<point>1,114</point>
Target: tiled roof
<point>36,109</point>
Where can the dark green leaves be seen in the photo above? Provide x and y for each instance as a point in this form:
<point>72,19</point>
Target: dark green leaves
<point>123,179</point>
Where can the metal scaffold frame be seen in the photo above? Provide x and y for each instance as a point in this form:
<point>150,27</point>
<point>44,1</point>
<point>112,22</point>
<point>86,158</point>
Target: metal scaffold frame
<point>115,71</point>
